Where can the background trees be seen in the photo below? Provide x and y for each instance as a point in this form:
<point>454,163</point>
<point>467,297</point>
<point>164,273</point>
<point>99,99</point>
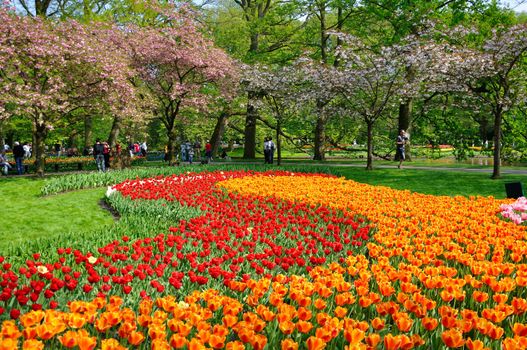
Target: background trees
<point>155,69</point>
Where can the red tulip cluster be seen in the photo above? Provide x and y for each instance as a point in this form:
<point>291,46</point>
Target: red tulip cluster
<point>236,238</point>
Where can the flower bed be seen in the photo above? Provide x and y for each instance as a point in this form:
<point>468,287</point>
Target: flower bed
<point>279,259</point>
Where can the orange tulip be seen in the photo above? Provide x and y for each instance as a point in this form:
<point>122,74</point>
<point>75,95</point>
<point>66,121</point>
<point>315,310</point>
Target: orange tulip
<point>474,344</point>
<point>259,342</point>
<point>353,336</point>
<point>178,341</point>
<point>234,345</point>
<point>68,339</point>
<point>314,343</point>
<point>287,327</point>
<point>229,320</point>
<point>340,312</point>
<point>452,338</point>
<point>377,323</point>
<point>429,323</point>
<point>320,304</point>
<point>32,344</point>
<point>161,344</point>
<point>135,338</point>
<point>391,342</point>
<point>216,341</point>
<point>87,343</point>
<point>45,331</point>
<point>31,318</point>
<point>304,326</point>
<point>404,323</point>
<point>111,344</point>
<point>519,329</point>
<point>289,344</point>
<point>373,340</point>
<point>29,333</point>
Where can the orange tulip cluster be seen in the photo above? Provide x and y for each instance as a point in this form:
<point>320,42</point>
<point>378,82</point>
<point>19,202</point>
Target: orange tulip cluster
<point>450,265</point>
<point>440,273</point>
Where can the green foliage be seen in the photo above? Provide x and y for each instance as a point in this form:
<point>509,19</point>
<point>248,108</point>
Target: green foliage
<point>98,179</point>
<point>154,210</point>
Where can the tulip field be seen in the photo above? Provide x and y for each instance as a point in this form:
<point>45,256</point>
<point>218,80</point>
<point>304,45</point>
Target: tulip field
<point>279,260</point>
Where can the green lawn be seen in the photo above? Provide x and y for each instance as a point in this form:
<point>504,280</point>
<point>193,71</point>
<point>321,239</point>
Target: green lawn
<point>27,216</point>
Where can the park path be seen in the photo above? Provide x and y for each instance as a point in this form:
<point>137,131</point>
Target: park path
<point>330,164</point>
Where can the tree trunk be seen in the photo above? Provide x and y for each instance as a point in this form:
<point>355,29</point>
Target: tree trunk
<point>171,147</point>
<point>88,123</point>
<point>114,132</point>
<point>217,134</point>
<point>2,139</point>
<point>323,36</point>
<point>498,115</point>
<point>254,43</point>
<point>405,115</point>
<point>40,152</point>
<point>278,142</point>
<point>41,7</point>
<point>249,150</point>
<point>320,137</point>
<point>369,162</point>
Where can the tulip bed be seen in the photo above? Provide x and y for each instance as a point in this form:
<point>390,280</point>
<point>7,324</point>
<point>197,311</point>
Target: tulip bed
<point>279,260</point>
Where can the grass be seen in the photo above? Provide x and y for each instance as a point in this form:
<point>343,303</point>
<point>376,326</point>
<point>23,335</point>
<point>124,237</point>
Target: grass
<point>27,216</point>
<point>436,182</point>
<point>77,215</point>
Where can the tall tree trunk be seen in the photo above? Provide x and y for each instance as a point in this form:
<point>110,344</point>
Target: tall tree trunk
<point>340,23</point>
<point>254,43</point>
<point>323,35</point>
<point>278,142</point>
<point>369,162</point>
<point>498,116</point>
<point>218,132</point>
<point>171,145</point>
<point>320,137</point>
<point>405,115</point>
<point>114,132</point>
<point>41,7</point>
<point>38,147</point>
<point>88,124</point>
<point>2,137</point>
<point>249,150</point>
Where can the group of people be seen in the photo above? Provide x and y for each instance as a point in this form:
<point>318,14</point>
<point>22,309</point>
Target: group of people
<point>138,149</point>
<point>101,154</point>
<point>20,152</point>
<point>189,151</point>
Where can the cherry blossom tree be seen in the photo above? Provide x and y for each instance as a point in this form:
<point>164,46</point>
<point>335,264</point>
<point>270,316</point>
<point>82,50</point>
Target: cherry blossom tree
<point>318,89</point>
<point>278,88</point>
<point>50,70</point>
<point>493,73</point>
<point>176,64</point>
<point>370,82</point>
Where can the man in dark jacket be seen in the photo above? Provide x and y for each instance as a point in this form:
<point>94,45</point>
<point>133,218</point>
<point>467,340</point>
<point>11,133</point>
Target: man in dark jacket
<point>98,154</point>
<point>18,153</point>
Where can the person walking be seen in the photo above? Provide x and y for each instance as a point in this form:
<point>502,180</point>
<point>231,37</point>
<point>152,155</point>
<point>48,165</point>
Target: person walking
<point>208,152</point>
<point>4,162</point>
<point>27,150</point>
<point>271,146</point>
<point>106,155</point>
<point>98,154</point>
<point>402,138</point>
<point>144,148</point>
<point>18,153</point>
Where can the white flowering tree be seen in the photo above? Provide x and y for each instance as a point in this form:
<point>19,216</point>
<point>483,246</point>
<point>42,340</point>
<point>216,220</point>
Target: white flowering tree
<point>370,83</point>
